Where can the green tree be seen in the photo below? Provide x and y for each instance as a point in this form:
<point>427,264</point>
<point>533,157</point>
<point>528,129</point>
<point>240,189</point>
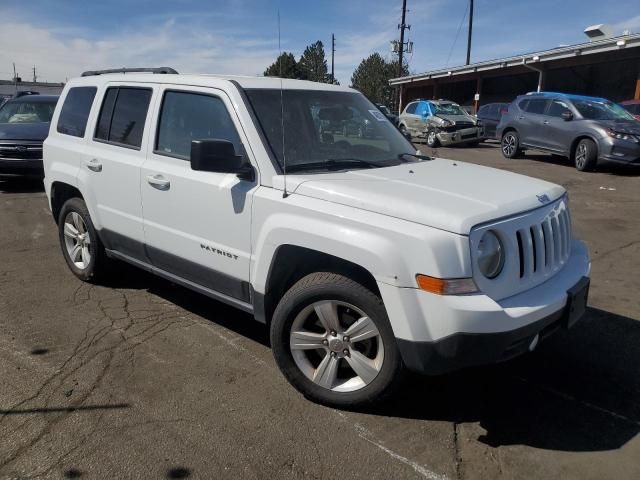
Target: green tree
<point>313,65</point>
<point>285,66</point>
<point>372,78</point>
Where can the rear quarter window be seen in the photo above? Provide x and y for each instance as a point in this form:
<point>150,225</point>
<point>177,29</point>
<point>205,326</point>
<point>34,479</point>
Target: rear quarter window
<point>75,111</point>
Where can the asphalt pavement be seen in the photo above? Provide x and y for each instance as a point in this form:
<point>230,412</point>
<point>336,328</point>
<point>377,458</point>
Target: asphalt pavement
<point>139,378</point>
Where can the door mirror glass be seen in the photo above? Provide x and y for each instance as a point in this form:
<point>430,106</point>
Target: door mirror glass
<point>567,115</point>
<point>212,155</point>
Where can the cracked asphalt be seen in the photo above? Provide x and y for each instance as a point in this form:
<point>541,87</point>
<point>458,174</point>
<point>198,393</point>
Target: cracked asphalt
<point>139,378</point>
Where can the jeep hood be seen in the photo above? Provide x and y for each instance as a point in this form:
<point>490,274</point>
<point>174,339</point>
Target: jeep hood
<point>445,194</point>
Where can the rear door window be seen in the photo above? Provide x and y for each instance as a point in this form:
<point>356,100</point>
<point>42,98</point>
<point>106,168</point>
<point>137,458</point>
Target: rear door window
<point>75,111</point>
<point>522,104</point>
<point>411,108</point>
<point>536,105</point>
<point>123,115</point>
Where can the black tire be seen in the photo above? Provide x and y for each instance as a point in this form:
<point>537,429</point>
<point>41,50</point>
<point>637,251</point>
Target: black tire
<point>432,139</point>
<point>97,265</point>
<point>585,156</point>
<point>324,286</point>
<point>510,145</point>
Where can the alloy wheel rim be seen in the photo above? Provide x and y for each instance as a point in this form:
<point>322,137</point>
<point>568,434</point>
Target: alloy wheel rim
<point>336,346</point>
<point>508,145</point>
<point>581,156</point>
<point>77,240</point>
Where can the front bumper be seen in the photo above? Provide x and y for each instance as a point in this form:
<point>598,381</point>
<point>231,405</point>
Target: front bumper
<point>619,151</point>
<point>21,166</point>
<point>470,349</point>
<point>466,135</point>
<point>437,333</point>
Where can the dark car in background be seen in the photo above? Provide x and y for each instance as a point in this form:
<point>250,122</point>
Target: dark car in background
<point>490,115</point>
<point>633,107</point>
<point>24,125</point>
<point>387,113</point>
<point>587,130</point>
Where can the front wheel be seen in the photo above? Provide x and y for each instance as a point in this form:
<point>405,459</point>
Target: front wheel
<point>432,138</point>
<point>80,244</point>
<point>510,145</point>
<point>586,155</point>
<point>332,340</point>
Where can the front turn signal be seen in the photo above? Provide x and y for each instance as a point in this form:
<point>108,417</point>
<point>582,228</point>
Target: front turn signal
<point>446,286</point>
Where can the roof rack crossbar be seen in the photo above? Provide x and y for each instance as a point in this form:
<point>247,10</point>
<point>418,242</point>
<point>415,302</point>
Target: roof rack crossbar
<point>166,70</point>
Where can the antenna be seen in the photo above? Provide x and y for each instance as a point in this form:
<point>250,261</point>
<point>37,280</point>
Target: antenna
<point>284,156</point>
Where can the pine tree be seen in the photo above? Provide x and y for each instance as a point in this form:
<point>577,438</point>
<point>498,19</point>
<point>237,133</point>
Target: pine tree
<point>285,66</point>
<point>313,65</point>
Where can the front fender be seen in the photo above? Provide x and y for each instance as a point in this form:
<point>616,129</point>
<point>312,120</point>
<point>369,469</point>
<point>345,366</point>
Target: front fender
<point>391,249</point>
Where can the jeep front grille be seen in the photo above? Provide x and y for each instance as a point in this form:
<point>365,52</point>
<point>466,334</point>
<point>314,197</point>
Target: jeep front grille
<point>537,245</point>
<point>544,246</point>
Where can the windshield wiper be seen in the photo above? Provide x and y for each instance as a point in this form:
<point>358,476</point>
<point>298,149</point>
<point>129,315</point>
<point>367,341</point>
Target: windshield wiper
<point>334,163</point>
<point>414,155</point>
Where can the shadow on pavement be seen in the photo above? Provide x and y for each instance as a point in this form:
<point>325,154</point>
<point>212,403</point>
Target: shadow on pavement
<point>20,184</point>
<point>578,392</point>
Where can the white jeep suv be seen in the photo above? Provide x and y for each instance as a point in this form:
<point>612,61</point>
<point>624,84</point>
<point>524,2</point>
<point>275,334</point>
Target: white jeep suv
<point>363,257</point>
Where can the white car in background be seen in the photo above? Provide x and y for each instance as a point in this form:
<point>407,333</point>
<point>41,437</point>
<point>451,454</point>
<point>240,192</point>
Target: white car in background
<point>365,259</point>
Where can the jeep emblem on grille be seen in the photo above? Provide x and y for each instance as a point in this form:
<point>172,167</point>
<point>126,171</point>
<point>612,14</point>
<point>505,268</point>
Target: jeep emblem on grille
<point>544,198</point>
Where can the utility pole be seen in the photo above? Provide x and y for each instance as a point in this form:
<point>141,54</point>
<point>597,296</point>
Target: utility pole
<point>34,74</point>
<point>333,52</point>
<point>402,27</point>
<point>470,30</point>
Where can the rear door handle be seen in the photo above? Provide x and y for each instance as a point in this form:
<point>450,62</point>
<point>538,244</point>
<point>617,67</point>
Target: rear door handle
<point>94,165</point>
<point>546,122</point>
<point>158,181</point>
<point>520,118</point>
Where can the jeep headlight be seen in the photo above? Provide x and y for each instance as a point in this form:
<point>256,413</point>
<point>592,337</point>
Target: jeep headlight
<point>490,255</point>
<point>447,123</point>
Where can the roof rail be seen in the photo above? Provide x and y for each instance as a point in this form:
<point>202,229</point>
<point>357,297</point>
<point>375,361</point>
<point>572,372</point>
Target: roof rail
<point>90,73</point>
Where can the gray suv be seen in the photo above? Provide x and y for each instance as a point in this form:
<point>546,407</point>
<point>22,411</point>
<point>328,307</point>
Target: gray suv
<point>440,122</point>
<point>587,130</point>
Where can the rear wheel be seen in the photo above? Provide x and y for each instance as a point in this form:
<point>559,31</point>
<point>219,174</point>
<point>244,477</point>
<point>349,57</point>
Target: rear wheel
<point>333,342</point>
<point>81,247</point>
<point>510,145</point>
<point>586,155</point>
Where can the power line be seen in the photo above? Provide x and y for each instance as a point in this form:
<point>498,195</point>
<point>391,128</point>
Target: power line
<point>455,40</point>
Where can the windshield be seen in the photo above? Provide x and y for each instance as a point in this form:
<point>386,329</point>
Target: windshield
<point>27,112</point>
<point>447,109</point>
<point>327,129</point>
<point>594,110</point>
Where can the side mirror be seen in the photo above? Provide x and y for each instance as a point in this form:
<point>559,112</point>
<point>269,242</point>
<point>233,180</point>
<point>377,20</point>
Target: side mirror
<point>212,155</point>
<point>567,115</point>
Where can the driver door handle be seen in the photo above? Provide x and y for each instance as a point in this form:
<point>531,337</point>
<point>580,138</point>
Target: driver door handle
<point>546,122</point>
<point>158,181</point>
<point>94,165</point>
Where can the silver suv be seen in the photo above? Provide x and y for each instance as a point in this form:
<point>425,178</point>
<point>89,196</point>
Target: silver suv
<point>440,122</point>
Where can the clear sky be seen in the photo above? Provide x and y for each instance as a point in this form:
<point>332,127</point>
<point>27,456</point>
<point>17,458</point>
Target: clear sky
<point>64,37</point>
